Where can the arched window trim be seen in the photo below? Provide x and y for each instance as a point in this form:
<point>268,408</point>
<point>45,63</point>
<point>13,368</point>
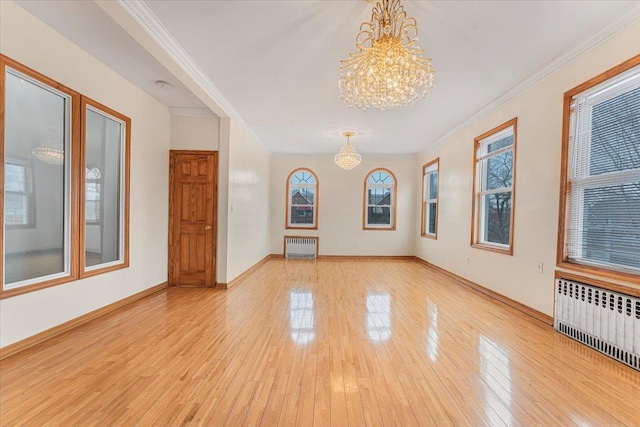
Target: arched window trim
<point>394,197</point>
<point>316,186</point>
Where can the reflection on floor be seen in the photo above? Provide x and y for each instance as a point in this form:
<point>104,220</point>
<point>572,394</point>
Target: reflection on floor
<point>326,342</point>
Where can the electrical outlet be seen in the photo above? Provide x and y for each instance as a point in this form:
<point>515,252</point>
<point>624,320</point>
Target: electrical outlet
<point>540,267</point>
<point>357,243</point>
<point>466,260</point>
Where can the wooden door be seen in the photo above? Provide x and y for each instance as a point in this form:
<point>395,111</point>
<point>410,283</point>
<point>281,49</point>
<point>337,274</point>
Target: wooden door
<point>193,184</point>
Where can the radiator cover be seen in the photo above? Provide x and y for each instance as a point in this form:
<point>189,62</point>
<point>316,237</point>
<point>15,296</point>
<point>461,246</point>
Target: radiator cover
<point>300,247</point>
<point>604,320</point>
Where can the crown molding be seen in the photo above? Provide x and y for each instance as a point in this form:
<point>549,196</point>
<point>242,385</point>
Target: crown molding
<point>597,38</point>
<point>144,16</point>
<point>191,112</point>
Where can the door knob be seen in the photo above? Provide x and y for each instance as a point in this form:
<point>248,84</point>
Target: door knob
<point>208,227</point>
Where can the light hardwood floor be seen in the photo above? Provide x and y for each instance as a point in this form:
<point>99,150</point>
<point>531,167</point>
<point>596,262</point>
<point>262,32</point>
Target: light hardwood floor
<point>318,343</point>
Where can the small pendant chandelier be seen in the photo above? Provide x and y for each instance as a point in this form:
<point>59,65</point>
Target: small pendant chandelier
<point>387,68</point>
<point>347,158</point>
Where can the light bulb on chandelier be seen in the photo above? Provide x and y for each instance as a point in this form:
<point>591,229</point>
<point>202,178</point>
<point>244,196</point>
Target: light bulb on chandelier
<point>387,69</point>
<point>347,158</point>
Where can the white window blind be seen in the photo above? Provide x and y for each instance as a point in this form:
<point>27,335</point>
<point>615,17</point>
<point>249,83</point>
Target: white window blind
<point>603,173</point>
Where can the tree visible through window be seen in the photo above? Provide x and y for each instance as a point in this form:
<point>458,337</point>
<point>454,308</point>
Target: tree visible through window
<point>302,190</point>
<point>380,190</point>
<point>494,185</point>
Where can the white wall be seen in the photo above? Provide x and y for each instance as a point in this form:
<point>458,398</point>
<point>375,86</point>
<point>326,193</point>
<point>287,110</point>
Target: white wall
<point>29,41</point>
<point>195,133</point>
<point>248,202</point>
<point>539,113</point>
<point>340,205</point>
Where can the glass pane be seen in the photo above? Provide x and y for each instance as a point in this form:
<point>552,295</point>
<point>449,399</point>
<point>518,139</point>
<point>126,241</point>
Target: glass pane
<point>501,143</point>
<point>301,215</point>
<point>103,189</point>
<point>496,218</point>
<point>379,215</point>
<point>499,171</point>
<point>303,177</point>
<point>433,213</point>
<point>433,185</point>
<point>36,127</point>
<point>379,196</point>
<point>303,196</point>
<point>380,177</point>
<point>615,134</point>
<point>611,225</point>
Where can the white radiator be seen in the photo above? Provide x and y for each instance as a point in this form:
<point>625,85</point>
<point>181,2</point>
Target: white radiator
<point>604,320</point>
<point>300,247</point>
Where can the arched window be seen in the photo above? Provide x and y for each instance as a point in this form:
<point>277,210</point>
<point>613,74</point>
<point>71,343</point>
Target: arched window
<point>302,199</point>
<point>380,200</point>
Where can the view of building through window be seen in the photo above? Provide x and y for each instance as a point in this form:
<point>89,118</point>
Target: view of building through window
<point>380,186</point>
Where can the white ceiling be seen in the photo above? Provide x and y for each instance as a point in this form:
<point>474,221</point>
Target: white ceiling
<point>88,26</point>
<point>277,62</point>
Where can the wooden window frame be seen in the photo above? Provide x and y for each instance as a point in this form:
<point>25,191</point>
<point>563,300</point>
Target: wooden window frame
<point>475,215</point>
<point>77,112</point>
<point>126,121</point>
<point>287,202</point>
<point>423,218</point>
<point>74,131</point>
<point>562,259</point>
<point>394,200</point>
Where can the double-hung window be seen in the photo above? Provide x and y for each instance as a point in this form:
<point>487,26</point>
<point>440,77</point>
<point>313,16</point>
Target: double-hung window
<point>600,206</point>
<point>302,199</point>
<point>379,200</point>
<point>430,199</point>
<point>494,188</point>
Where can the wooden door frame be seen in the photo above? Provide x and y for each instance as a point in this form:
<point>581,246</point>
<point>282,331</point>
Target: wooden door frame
<point>172,181</point>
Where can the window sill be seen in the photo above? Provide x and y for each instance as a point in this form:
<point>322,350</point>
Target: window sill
<point>36,286</point>
<point>379,228</point>
<point>497,249</point>
<point>301,227</point>
<point>95,272</point>
<point>429,236</point>
<point>600,271</point>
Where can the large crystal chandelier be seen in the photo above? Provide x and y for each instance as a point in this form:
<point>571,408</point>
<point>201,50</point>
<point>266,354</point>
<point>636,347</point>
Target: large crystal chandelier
<point>347,158</point>
<point>387,69</point>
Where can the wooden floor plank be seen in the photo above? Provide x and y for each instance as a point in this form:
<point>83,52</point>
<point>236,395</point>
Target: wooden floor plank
<point>322,343</point>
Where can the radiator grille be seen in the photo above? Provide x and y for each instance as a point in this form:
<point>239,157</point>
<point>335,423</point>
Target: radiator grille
<point>301,247</point>
<point>604,320</point>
